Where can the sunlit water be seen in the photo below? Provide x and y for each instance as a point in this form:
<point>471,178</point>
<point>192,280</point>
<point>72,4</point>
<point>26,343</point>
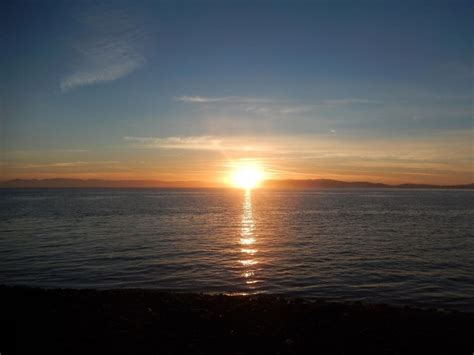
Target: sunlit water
<point>411,247</point>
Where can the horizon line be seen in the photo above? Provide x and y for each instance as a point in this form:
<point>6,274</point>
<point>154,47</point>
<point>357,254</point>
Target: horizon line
<point>153,183</point>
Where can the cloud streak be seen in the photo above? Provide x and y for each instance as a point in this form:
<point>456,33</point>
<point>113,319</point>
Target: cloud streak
<point>317,147</point>
<point>257,100</point>
<point>224,99</point>
<point>108,52</point>
<point>189,142</point>
<point>203,143</point>
<point>269,107</point>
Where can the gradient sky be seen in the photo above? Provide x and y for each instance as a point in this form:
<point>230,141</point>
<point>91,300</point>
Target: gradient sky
<point>181,90</point>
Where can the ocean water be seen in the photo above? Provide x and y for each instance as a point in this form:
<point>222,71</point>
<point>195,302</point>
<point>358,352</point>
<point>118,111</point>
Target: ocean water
<point>413,247</point>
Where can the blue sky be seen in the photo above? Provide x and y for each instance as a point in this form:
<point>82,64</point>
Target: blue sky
<point>90,89</point>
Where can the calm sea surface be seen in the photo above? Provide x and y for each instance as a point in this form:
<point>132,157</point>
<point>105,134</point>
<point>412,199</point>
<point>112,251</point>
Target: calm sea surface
<point>394,246</point>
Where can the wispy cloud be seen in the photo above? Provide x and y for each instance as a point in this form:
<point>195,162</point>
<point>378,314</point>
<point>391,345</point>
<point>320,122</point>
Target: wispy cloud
<point>260,100</point>
<point>60,165</point>
<point>260,106</point>
<point>224,99</point>
<point>313,147</point>
<point>189,142</point>
<point>108,52</point>
<point>208,143</point>
<point>199,99</point>
<point>349,101</point>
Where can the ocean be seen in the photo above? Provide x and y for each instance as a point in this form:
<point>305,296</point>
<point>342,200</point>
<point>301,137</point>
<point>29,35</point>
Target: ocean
<point>408,247</point>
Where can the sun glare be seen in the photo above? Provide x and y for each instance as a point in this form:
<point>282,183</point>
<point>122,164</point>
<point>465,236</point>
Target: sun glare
<point>247,176</point>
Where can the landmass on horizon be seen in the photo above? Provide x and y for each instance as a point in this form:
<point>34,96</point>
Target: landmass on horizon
<point>273,184</point>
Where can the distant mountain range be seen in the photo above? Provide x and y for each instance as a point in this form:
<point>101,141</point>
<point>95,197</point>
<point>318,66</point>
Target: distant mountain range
<point>332,184</point>
<point>274,184</point>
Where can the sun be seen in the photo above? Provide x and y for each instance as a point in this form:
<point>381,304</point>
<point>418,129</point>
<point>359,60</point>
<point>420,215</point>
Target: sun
<point>247,176</point>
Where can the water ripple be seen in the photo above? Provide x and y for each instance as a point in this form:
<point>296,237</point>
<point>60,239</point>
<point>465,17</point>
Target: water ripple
<point>396,246</point>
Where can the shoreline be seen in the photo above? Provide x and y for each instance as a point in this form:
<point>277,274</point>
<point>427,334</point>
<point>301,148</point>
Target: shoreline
<point>145,321</point>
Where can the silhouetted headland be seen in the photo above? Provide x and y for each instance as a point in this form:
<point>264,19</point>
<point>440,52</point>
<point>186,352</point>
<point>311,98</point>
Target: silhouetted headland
<point>275,184</point>
<point>139,321</point>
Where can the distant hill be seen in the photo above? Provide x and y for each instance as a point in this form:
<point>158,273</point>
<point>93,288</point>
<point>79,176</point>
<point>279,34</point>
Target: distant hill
<point>331,184</point>
<point>274,184</point>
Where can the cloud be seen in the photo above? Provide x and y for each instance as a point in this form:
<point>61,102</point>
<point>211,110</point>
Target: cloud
<point>108,52</point>
<point>209,143</point>
<point>349,101</point>
<point>224,99</point>
<point>247,108</point>
<point>190,142</point>
<point>107,72</point>
<point>67,164</point>
<point>258,100</point>
<point>69,150</point>
<point>199,99</point>
<point>324,146</point>
<point>268,107</point>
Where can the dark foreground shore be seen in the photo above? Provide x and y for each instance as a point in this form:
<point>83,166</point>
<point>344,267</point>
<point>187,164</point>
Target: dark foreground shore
<point>38,321</point>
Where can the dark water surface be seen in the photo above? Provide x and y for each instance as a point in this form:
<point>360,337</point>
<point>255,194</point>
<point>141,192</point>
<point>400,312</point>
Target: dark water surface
<point>411,247</point>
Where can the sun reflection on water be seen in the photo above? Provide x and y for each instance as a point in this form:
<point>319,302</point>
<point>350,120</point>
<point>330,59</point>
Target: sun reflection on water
<point>247,242</point>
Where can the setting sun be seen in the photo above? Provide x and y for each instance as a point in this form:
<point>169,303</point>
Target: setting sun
<point>247,176</point>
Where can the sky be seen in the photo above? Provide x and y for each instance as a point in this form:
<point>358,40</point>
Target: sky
<point>377,91</point>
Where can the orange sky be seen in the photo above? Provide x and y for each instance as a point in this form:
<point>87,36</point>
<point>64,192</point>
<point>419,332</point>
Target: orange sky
<point>436,159</point>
